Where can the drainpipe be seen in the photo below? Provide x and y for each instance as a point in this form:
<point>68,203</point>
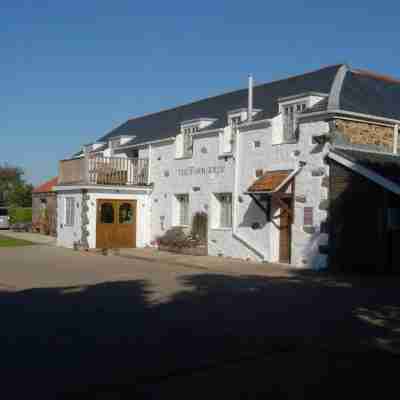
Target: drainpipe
<point>149,166</point>
<point>86,149</point>
<point>250,100</point>
<point>235,201</point>
<point>395,138</point>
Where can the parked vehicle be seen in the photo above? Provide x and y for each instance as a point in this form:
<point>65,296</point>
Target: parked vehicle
<point>4,218</point>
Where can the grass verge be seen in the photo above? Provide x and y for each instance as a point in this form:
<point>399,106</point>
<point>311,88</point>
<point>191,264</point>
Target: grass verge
<point>6,241</point>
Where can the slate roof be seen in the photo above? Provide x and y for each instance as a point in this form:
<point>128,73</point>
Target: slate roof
<point>269,182</point>
<point>384,164</point>
<point>361,92</point>
<point>164,124</point>
<point>366,92</point>
<point>47,186</point>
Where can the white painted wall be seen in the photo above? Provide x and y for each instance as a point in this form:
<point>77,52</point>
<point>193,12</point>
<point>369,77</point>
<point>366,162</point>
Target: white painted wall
<point>172,176</point>
<point>143,217</point>
<point>68,235</point>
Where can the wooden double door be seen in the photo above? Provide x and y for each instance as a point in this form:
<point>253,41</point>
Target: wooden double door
<point>116,223</point>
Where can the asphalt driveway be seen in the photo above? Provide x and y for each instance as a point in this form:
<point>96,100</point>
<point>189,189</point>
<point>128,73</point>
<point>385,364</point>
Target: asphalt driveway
<point>113,327</point>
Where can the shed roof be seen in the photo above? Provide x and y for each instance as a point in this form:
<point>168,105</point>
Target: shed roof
<point>47,186</point>
<point>384,164</point>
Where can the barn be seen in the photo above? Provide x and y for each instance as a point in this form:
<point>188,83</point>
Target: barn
<point>364,215</point>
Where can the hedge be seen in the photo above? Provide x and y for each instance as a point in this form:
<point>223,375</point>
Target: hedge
<point>20,214</point>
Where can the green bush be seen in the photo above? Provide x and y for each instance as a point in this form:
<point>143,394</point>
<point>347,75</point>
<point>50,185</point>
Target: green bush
<point>20,214</point>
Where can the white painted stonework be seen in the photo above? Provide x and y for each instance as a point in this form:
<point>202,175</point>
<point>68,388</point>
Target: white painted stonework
<point>207,173</point>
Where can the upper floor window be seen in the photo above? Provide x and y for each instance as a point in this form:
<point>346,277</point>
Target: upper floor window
<point>191,129</point>
<point>235,121</point>
<point>290,118</point>
<point>184,141</point>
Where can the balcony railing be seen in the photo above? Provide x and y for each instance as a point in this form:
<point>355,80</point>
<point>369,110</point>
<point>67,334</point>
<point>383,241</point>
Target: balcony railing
<point>104,171</point>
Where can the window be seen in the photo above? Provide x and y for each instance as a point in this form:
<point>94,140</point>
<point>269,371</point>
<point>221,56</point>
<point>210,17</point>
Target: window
<point>183,209</point>
<point>69,211</point>
<point>259,173</point>
<point>308,216</point>
<point>235,121</point>
<point>184,141</point>
<point>107,213</point>
<point>290,113</point>
<point>225,210</point>
<point>187,142</point>
<point>257,144</point>
<point>125,213</point>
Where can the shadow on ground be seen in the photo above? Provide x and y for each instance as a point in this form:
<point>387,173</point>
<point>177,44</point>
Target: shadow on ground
<point>222,336</point>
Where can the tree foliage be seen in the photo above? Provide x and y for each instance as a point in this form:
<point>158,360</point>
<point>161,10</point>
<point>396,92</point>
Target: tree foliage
<point>13,188</point>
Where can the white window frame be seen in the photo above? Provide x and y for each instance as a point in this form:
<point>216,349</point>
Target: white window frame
<point>184,140</point>
<point>69,215</point>
<point>224,210</point>
<point>182,209</point>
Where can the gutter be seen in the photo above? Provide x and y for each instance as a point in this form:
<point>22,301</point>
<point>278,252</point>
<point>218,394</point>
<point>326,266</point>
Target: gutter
<point>350,114</point>
<point>129,146</point>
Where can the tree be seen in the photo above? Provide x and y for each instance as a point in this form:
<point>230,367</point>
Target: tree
<point>13,189</point>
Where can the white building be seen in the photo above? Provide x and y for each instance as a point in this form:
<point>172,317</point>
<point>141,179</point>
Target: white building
<point>252,160</point>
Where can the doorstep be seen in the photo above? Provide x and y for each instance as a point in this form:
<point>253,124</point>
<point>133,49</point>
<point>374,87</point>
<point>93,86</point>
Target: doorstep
<point>209,263</point>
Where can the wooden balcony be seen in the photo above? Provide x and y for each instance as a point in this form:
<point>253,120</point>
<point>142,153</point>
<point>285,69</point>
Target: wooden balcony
<point>104,171</point>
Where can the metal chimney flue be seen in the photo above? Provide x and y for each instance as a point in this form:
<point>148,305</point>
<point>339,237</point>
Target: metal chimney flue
<point>250,100</point>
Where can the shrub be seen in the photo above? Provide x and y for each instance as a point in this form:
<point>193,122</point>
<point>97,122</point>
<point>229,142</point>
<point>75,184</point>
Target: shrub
<point>176,237</point>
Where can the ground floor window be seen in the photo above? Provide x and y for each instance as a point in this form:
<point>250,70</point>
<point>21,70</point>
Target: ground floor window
<point>69,211</point>
<point>183,209</point>
<point>225,210</point>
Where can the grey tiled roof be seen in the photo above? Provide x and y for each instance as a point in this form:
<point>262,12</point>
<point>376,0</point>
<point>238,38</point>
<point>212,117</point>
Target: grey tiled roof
<point>360,92</point>
<point>166,123</point>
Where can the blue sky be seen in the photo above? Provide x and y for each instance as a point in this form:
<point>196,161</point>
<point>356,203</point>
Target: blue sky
<point>72,70</point>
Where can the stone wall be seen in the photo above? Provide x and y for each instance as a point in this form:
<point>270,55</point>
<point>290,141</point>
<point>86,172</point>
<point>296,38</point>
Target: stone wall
<point>366,133</point>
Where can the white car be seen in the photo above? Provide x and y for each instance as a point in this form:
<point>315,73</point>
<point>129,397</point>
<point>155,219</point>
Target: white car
<point>4,218</point>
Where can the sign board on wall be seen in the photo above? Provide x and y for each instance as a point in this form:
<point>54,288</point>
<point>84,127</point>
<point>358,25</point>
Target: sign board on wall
<point>200,171</point>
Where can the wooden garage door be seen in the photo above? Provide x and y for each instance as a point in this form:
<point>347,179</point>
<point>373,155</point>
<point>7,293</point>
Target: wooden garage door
<point>116,224</point>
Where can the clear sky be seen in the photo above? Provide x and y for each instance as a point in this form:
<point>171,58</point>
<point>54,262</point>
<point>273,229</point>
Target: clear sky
<point>72,70</point>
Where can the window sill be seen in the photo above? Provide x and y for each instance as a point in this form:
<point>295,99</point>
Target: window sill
<point>221,229</point>
<point>183,158</point>
<point>294,141</point>
<point>225,155</point>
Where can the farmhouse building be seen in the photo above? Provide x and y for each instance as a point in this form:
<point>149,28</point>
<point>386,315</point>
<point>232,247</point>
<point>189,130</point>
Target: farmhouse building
<point>255,160</point>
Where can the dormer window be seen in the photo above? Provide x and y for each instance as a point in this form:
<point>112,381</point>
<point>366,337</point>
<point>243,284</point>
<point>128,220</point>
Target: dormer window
<point>184,140</point>
<point>190,130</point>
<point>235,121</point>
<point>290,116</point>
<point>291,108</point>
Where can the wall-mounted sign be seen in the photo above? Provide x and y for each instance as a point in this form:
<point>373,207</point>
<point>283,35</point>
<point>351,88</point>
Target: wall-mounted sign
<point>200,171</point>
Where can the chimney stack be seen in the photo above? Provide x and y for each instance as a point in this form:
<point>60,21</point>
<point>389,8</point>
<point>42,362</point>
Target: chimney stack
<point>250,101</point>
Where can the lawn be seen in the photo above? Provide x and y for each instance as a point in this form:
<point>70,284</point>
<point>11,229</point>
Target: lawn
<point>6,241</point>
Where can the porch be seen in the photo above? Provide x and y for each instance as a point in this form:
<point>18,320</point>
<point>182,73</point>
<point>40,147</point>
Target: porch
<point>98,170</point>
